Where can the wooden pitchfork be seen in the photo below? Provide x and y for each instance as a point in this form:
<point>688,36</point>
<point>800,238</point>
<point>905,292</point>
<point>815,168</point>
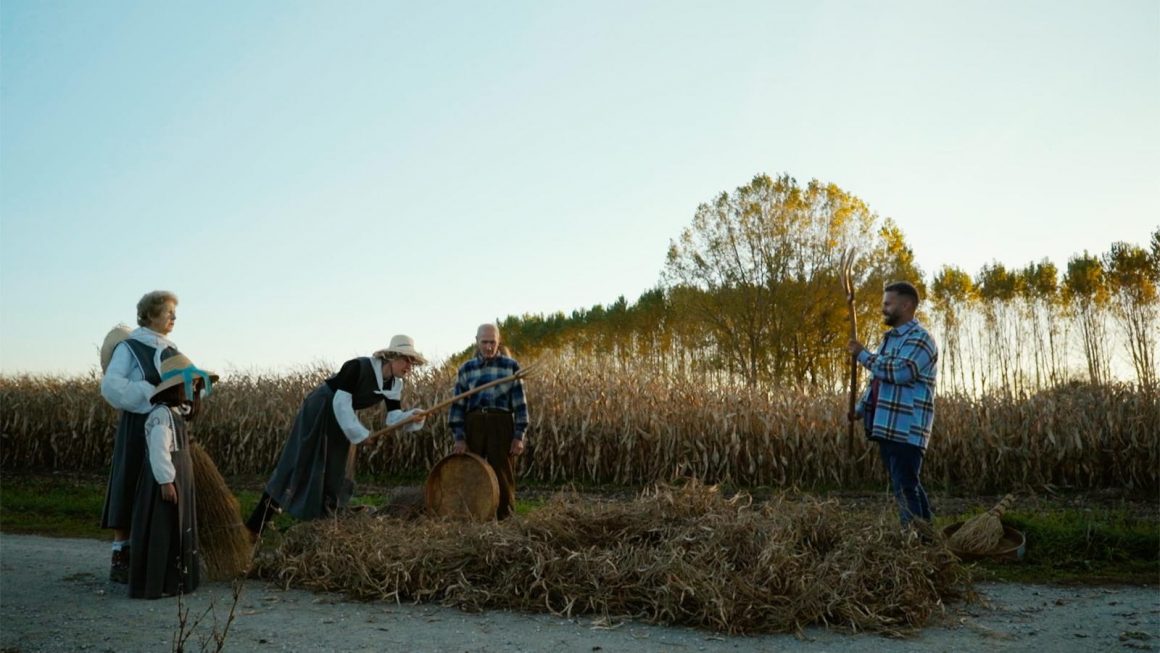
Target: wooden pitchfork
<point>352,455</point>
<point>847,264</point>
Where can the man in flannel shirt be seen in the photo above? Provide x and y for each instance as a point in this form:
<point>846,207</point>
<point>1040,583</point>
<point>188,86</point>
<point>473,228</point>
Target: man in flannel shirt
<point>898,406</point>
<point>491,423</point>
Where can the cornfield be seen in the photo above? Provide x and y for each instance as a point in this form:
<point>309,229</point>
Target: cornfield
<point>600,421</point>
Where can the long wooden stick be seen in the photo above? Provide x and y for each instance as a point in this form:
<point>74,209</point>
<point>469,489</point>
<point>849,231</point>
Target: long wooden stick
<point>351,455</point>
<point>848,285</point>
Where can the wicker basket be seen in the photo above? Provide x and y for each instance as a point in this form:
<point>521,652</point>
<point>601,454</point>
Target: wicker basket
<point>462,486</point>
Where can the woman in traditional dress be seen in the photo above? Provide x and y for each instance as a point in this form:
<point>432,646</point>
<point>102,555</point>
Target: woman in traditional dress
<point>164,559</point>
<point>310,479</point>
<point>130,361</point>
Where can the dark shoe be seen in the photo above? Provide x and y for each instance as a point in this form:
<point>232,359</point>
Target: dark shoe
<point>119,572</point>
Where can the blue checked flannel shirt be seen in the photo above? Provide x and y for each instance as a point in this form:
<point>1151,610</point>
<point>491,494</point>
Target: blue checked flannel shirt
<point>505,396</point>
<point>905,367</point>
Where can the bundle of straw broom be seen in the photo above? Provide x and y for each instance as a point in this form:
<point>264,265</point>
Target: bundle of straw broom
<point>222,538</point>
<point>981,534</point>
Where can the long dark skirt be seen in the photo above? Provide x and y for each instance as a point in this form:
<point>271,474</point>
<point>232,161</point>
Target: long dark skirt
<point>163,555</point>
<point>309,480</point>
<point>128,457</point>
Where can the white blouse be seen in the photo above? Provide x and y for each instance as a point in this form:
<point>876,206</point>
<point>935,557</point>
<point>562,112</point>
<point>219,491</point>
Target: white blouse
<point>159,437</point>
<point>124,385</point>
<point>344,413</point>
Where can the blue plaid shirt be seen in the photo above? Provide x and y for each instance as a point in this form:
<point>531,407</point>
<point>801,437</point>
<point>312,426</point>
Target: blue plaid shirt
<point>505,396</point>
<point>905,368</point>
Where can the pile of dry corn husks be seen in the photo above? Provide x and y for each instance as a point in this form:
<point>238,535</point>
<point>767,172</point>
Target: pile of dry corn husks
<point>674,555</point>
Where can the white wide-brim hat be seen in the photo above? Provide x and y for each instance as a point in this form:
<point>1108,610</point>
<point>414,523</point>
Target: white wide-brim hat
<point>118,334</point>
<point>403,346</point>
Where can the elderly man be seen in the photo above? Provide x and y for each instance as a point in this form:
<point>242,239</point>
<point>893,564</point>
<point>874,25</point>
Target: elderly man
<point>898,406</point>
<point>491,423</point>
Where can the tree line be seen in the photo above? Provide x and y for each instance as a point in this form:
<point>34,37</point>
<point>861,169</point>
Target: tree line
<point>750,292</point>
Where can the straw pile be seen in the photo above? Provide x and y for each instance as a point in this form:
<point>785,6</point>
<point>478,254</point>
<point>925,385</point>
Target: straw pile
<point>682,555</point>
<point>404,503</point>
<point>222,538</point>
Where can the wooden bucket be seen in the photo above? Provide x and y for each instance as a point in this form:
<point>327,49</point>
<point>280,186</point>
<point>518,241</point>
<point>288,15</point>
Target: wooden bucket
<point>462,486</point>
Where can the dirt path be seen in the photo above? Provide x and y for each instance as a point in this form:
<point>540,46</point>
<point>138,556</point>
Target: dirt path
<point>54,596</point>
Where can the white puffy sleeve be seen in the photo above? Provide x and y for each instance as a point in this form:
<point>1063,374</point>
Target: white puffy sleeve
<point>159,438</point>
<point>343,404</point>
<point>124,385</point>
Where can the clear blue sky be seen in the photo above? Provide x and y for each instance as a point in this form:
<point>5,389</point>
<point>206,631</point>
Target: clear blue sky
<point>313,177</point>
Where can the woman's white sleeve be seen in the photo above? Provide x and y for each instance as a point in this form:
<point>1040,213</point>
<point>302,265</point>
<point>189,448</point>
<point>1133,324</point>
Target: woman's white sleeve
<point>159,437</point>
<point>120,389</point>
<point>344,413</point>
<point>396,416</point>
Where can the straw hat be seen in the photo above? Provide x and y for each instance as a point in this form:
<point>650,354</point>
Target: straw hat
<point>404,346</point>
<point>114,338</point>
<point>178,369</point>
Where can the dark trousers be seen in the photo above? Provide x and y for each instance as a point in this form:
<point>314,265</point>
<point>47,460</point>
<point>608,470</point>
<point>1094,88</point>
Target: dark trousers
<point>903,463</point>
<point>489,436</point>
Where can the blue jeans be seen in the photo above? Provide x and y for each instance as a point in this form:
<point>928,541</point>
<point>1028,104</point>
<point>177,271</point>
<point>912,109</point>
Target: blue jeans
<point>903,463</point>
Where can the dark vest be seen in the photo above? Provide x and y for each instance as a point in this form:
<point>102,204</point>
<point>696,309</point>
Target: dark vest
<point>144,355</point>
<point>365,390</point>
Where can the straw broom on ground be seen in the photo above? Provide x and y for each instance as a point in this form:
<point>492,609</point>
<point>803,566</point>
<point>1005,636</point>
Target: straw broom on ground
<point>222,538</point>
<point>981,534</point>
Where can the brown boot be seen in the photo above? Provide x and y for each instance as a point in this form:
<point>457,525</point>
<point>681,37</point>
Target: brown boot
<point>119,571</point>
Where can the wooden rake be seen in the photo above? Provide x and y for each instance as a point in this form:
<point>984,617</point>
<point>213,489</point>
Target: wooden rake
<point>847,265</point>
<point>352,455</point>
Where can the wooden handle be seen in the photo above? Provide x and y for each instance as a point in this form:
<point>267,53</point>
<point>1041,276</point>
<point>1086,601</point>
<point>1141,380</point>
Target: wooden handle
<point>847,264</point>
<point>352,455</point>
<point>1002,506</point>
<point>523,372</point>
<point>463,395</point>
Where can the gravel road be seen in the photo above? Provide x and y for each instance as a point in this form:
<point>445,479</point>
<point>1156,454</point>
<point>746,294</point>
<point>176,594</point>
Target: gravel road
<point>54,596</point>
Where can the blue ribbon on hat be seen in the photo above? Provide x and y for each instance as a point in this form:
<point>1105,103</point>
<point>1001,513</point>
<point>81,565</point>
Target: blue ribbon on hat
<point>187,374</point>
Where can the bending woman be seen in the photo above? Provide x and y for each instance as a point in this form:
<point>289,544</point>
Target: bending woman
<point>311,473</point>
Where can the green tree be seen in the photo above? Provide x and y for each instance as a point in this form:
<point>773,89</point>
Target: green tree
<point>1039,289</point>
<point>998,289</point>
<point>758,269</point>
<point>951,295</point>
<point>1086,295</point>
<point>1132,279</point>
